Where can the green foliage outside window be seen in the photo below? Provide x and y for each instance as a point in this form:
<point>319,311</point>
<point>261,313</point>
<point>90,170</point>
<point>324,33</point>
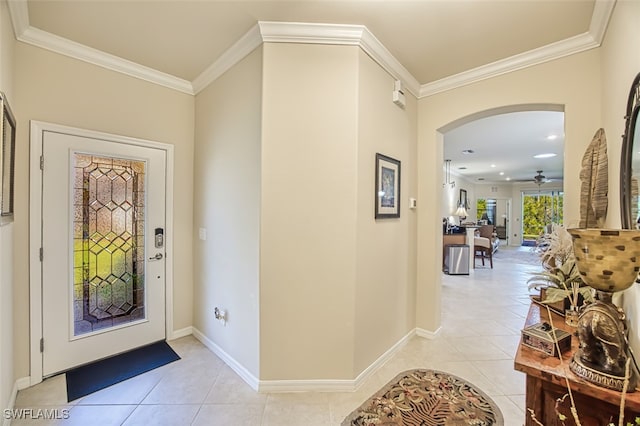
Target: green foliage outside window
<point>540,210</point>
<point>481,208</point>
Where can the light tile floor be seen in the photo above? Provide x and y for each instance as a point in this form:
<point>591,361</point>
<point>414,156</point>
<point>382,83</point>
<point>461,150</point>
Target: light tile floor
<point>482,316</point>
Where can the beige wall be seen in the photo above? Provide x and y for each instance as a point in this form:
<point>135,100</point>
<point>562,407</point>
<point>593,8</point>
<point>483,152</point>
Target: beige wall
<point>227,205</point>
<point>7,376</point>
<point>58,89</point>
<point>573,81</point>
<point>386,248</point>
<point>308,218</point>
<point>620,65</point>
<point>295,168</point>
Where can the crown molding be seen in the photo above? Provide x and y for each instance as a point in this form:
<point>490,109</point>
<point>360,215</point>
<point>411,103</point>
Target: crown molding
<point>593,38</point>
<point>19,13</point>
<point>376,50</point>
<point>84,53</point>
<point>337,34</point>
<point>600,17</point>
<point>305,33</point>
<point>294,32</point>
<point>297,32</point>
<point>547,53</point>
<point>24,32</point>
<point>234,54</point>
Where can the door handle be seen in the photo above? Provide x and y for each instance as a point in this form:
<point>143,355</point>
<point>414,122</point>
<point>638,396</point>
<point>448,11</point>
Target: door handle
<point>158,256</point>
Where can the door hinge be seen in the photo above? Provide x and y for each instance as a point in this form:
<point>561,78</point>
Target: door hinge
<point>41,254</point>
<point>42,162</point>
<point>42,344</point>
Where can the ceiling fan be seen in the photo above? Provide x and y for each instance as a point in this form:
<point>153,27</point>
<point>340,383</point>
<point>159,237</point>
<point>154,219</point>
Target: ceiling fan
<point>538,179</point>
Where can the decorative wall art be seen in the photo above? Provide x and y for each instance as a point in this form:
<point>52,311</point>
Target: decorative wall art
<point>387,194</point>
<point>7,158</point>
<point>463,201</point>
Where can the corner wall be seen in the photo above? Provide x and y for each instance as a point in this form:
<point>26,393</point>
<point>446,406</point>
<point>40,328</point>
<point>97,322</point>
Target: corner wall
<point>227,207</point>
<point>308,218</point>
<point>7,239</point>
<point>295,234</point>
<point>386,248</point>
<point>620,64</point>
<point>573,81</point>
<point>55,88</point>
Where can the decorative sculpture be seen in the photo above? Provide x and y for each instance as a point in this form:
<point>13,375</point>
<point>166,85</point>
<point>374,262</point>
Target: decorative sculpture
<point>594,176</point>
<point>608,261</point>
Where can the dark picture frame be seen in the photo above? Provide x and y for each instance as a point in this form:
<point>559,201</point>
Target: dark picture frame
<point>387,194</point>
<point>463,200</point>
<point>7,158</point>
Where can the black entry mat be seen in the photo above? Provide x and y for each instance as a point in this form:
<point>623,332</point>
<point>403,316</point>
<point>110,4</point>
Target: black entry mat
<point>82,381</point>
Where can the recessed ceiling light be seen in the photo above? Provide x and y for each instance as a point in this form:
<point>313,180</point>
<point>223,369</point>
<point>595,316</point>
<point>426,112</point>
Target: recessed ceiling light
<point>545,155</point>
<point>493,166</point>
<point>508,178</point>
<point>501,173</point>
<point>552,137</point>
<point>468,151</point>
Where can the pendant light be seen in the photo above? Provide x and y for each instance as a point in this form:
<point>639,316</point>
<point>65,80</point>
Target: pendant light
<point>447,172</point>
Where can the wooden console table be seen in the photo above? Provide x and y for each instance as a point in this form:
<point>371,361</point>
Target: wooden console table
<point>546,383</point>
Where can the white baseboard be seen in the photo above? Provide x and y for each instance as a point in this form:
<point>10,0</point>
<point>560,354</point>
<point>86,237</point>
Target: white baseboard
<point>319,385</point>
<point>334,385</point>
<point>21,383</point>
<point>427,334</point>
<point>382,359</point>
<point>228,359</point>
<point>176,334</point>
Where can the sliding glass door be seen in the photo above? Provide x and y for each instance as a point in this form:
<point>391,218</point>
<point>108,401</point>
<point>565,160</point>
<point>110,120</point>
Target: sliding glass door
<point>539,211</point>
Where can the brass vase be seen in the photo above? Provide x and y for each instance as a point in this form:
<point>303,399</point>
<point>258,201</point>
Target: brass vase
<point>608,261</point>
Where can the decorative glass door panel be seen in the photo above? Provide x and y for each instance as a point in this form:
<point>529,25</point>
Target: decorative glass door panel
<point>102,271</point>
<point>108,242</point>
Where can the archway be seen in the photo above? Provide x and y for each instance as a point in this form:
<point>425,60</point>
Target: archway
<point>498,154</point>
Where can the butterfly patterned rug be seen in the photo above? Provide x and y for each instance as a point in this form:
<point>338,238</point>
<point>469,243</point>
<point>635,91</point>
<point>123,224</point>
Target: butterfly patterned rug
<point>427,398</point>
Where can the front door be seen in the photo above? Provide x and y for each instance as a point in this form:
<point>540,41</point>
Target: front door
<point>103,256</point>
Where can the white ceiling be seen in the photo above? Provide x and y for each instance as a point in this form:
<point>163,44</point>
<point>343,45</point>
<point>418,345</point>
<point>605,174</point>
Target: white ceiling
<point>509,142</point>
<point>183,37</point>
<point>436,44</point>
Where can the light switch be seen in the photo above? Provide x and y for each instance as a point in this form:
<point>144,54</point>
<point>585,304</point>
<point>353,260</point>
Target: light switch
<point>202,233</point>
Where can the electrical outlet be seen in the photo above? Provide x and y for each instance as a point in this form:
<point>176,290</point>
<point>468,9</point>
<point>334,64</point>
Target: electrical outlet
<point>220,315</point>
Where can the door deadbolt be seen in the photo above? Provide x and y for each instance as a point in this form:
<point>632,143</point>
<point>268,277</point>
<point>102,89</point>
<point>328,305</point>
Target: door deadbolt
<point>159,238</point>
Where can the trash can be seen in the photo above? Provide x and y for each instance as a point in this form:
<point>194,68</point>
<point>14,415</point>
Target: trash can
<point>456,259</point>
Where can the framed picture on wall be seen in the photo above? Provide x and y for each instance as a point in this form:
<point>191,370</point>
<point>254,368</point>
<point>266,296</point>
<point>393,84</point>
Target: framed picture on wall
<point>387,194</point>
<point>7,158</point>
<point>463,201</point>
